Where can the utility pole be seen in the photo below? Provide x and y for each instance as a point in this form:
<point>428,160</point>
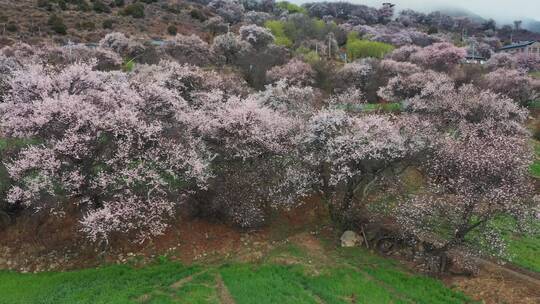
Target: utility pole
<point>69,48</point>
<point>329,47</point>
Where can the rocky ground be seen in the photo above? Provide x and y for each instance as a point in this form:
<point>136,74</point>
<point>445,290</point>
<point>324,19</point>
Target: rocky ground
<point>199,241</point>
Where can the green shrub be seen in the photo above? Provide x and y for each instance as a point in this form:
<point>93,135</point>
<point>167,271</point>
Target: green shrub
<point>135,10</point>
<point>171,29</point>
<point>278,30</point>
<point>383,107</point>
<point>534,104</point>
<point>128,65</point>
<point>312,57</point>
<point>82,5</point>
<point>357,48</point>
<point>535,169</point>
<point>174,8</point>
<point>536,131</point>
<point>118,3</point>
<point>100,7</point>
<point>108,24</point>
<point>290,7</point>
<point>86,26</point>
<point>46,4</point>
<point>295,30</point>
<point>197,14</point>
<point>62,5</point>
<point>12,27</point>
<point>57,25</point>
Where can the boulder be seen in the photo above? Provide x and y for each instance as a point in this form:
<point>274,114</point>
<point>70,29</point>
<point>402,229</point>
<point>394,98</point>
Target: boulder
<point>351,239</point>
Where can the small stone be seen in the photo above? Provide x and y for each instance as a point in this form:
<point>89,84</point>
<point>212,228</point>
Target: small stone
<point>351,239</point>
<point>420,247</point>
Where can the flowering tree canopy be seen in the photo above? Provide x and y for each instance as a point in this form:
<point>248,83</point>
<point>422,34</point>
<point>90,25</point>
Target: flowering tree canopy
<point>230,10</point>
<point>477,167</point>
<point>501,60</point>
<point>342,150</point>
<point>121,44</point>
<point>392,34</point>
<point>355,74</point>
<point>117,150</point>
<point>189,49</point>
<point>251,142</point>
<point>289,99</point>
<point>527,62</point>
<point>474,179</point>
<point>230,47</point>
<point>439,56</point>
<point>404,53</point>
<point>295,72</point>
<point>403,86</point>
<point>243,132</point>
<point>7,67</point>
<point>514,84</point>
<point>258,37</point>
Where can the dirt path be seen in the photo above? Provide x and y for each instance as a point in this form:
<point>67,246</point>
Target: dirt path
<point>500,284</point>
<point>510,273</point>
<point>311,244</point>
<point>224,295</point>
<point>182,282</point>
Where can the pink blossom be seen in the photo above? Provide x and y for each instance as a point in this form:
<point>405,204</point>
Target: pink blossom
<point>439,56</point>
<point>514,84</point>
<point>189,49</point>
<point>258,37</point>
<point>103,141</point>
<point>295,72</point>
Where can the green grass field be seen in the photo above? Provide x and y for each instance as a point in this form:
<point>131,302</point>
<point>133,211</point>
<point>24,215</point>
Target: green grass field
<point>350,275</point>
<point>522,249</point>
<point>371,107</point>
<point>525,252</point>
<point>535,74</point>
<point>535,167</point>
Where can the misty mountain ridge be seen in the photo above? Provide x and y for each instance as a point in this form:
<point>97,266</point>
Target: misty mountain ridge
<point>531,25</point>
<point>454,11</point>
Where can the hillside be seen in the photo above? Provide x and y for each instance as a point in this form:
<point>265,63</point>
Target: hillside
<point>32,20</point>
<point>282,263</point>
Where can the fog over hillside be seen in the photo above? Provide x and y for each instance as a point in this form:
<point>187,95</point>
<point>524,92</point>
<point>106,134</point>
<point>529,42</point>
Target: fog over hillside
<point>503,11</point>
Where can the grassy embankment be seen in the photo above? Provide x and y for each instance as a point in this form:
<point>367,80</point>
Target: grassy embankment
<point>287,274</point>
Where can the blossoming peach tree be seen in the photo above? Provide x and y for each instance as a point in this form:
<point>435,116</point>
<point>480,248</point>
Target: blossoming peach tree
<point>476,167</point>
<point>118,150</point>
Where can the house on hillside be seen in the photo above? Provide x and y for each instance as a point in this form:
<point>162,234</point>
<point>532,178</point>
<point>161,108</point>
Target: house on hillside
<point>527,47</point>
<point>475,59</point>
